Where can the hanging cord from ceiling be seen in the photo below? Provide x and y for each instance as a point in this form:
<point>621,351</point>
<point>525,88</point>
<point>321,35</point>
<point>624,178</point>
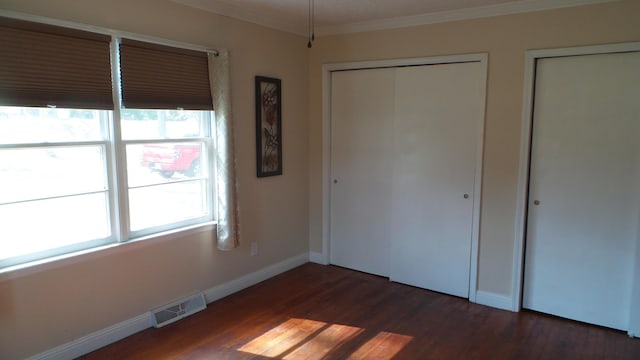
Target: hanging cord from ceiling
<point>312,35</point>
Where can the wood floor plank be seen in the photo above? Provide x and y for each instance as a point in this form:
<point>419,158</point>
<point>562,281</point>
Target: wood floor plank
<point>328,312</point>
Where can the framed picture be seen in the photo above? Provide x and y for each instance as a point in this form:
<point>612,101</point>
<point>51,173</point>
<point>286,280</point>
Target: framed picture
<point>268,126</point>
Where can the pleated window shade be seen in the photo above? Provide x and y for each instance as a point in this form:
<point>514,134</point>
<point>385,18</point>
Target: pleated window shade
<point>44,65</point>
<point>163,77</point>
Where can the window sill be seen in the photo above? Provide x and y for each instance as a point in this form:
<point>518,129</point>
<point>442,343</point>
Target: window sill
<point>17,271</point>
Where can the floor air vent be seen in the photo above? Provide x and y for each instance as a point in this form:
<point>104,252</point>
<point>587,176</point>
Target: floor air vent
<point>178,310</point>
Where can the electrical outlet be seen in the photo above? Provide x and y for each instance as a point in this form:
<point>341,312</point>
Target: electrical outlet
<point>254,248</point>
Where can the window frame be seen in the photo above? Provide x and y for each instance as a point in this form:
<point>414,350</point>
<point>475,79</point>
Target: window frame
<point>119,173</point>
<point>115,164</point>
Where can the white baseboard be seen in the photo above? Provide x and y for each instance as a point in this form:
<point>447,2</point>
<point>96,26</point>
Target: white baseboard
<point>494,300</point>
<point>96,340</point>
<point>318,258</point>
<point>111,334</point>
<point>228,288</point>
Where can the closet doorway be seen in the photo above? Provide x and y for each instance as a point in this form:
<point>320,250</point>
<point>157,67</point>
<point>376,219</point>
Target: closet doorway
<point>583,205</point>
<point>405,167</point>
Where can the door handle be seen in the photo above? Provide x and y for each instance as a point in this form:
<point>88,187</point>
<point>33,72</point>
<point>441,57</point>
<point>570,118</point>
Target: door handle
<point>536,202</point>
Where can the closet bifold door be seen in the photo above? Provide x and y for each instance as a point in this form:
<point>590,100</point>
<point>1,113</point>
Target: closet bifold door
<point>438,109</point>
<point>584,188</point>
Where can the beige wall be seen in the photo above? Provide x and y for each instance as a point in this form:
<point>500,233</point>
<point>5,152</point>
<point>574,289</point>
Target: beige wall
<point>506,39</point>
<point>41,310</point>
<point>44,309</point>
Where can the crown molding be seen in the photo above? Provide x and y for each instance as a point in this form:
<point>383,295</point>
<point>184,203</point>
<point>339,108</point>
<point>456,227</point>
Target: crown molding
<point>228,9</point>
<point>510,8</point>
<point>274,21</point>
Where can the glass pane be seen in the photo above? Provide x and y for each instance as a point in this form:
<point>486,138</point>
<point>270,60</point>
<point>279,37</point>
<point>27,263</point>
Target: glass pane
<point>157,163</point>
<point>143,124</point>
<point>34,173</point>
<point>28,125</point>
<point>47,224</point>
<point>167,203</point>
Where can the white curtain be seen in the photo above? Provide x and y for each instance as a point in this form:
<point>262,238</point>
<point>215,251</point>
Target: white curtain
<point>226,184</point>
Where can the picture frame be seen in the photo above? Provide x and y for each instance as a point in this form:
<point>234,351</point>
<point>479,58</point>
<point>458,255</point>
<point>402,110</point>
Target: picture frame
<point>268,126</point>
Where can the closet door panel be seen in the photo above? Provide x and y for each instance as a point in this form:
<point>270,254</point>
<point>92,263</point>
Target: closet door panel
<point>584,196</point>
<point>438,109</point>
<point>362,110</point>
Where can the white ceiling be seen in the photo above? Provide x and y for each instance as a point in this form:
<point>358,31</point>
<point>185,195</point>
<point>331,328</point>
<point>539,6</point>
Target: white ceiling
<point>344,16</point>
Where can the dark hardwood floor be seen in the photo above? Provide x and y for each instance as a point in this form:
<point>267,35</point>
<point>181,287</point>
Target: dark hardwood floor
<point>327,312</point>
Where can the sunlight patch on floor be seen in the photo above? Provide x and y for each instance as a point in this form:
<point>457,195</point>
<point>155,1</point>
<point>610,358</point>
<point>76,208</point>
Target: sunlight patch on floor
<point>320,345</point>
<point>310,340</point>
<point>383,346</point>
<point>281,339</point>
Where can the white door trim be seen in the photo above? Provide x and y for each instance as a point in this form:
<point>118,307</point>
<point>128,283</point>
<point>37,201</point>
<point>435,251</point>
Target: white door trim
<point>327,69</point>
<point>531,58</point>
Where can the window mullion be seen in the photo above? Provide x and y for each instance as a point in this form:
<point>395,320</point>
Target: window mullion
<point>118,200</point>
<point>166,141</point>
<point>56,144</point>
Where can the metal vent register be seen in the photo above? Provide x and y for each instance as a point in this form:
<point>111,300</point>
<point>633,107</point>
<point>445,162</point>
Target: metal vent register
<point>178,310</point>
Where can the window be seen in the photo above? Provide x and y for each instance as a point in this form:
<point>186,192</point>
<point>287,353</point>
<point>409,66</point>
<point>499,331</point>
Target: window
<point>167,154</point>
<point>76,171</point>
<point>53,176</point>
